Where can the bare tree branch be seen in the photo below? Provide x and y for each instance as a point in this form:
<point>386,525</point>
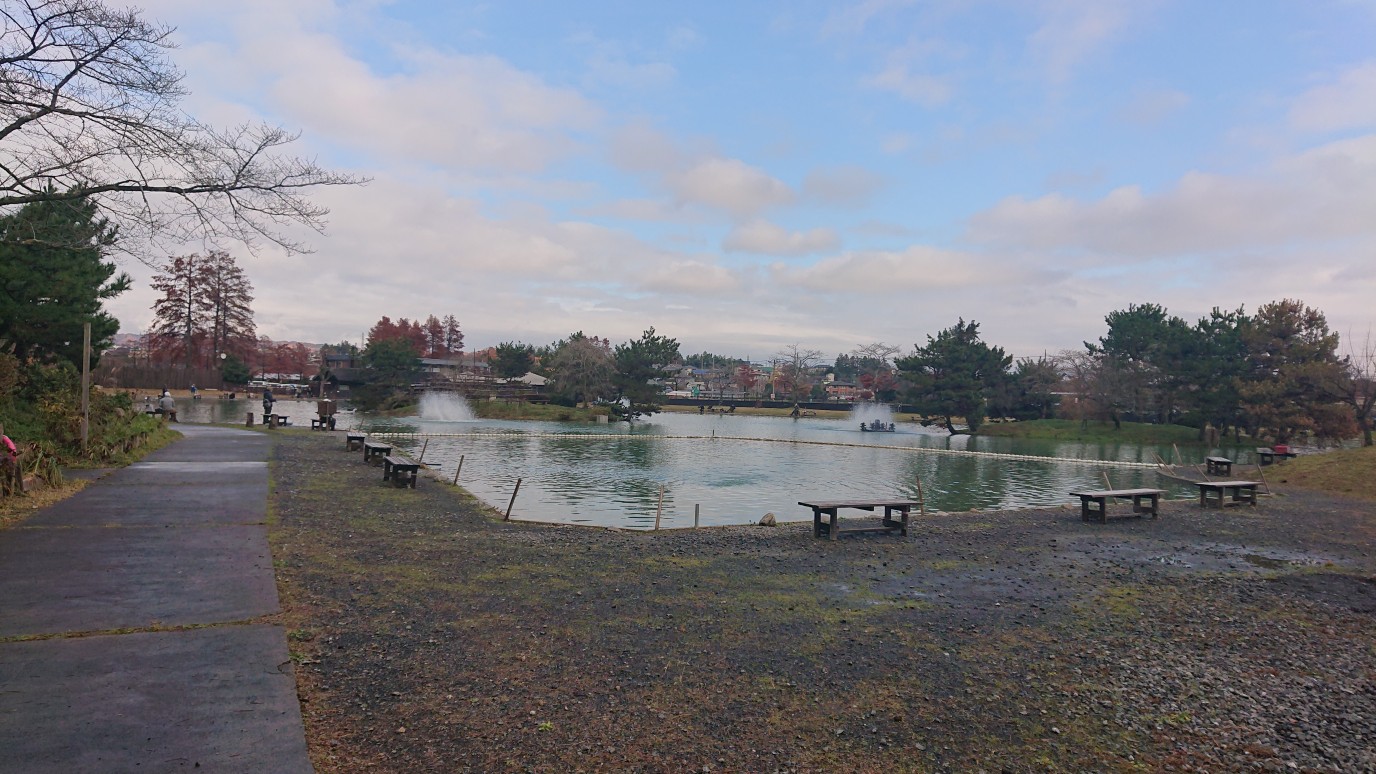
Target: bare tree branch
<point>89,108</point>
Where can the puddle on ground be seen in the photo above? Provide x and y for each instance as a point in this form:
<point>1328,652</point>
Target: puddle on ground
<point>1268,562</point>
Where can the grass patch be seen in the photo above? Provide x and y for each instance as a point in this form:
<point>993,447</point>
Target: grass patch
<point>1100,432</point>
<point>1343,471</point>
<point>545,412</point>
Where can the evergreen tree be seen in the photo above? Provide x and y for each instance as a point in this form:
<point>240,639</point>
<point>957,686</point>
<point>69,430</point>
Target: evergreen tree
<point>954,375</point>
<point>53,279</point>
<point>639,363</point>
<point>513,360</point>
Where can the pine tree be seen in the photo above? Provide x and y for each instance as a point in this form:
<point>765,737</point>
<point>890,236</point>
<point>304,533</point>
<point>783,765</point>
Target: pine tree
<point>53,279</point>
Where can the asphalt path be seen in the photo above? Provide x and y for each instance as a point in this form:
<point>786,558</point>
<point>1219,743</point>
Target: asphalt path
<point>129,622</point>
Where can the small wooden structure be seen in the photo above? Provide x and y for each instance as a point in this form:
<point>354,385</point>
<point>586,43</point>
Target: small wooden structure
<point>400,471</point>
<point>1218,494</point>
<point>1218,465</point>
<point>375,452</point>
<point>324,410</point>
<point>1267,455</point>
<point>1101,497</point>
<point>831,528</point>
<point>354,441</point>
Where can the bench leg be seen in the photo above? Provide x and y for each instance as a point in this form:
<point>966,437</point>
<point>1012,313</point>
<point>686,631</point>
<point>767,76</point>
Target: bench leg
<point>900,524</point>
<point>834,531</point>
<point>816,523</point>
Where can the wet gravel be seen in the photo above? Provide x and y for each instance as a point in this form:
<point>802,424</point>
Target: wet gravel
<point>430,636</point>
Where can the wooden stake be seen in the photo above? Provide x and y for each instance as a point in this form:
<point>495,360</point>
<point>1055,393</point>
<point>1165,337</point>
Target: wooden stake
<point>1263,478</point>
<point>457,470</point>
<point>696,507</point>
<point>921,498</point>
<point>85,385</point>
<point>1178,458</point>
<point>423,447</point>
<point>659,510</point>
<point>1107,484</point>
<point>507,517</point>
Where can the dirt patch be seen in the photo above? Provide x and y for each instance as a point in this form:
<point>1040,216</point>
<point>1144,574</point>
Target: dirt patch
<point>430,637</point>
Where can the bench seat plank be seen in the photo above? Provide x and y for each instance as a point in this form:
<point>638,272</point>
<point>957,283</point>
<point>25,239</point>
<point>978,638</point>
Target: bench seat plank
<point>831,528</point>
<point>400,470</point>
<point>1101,497</point>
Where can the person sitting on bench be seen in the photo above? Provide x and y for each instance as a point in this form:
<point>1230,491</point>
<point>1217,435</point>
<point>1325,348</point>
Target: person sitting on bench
<point>168,406</point>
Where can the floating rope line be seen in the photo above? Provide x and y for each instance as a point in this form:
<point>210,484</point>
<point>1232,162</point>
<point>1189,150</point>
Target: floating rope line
<point>796,441</point>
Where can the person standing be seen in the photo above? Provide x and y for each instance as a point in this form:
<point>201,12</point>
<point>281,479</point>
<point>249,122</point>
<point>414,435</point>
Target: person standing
<point>268,400</point>
<point>11,480</point>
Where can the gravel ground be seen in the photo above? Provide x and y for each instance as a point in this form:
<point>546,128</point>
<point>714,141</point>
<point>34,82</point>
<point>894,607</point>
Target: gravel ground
<point>430,636</point>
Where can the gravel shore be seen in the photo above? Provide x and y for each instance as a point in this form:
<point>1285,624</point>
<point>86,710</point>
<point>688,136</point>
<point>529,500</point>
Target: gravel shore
<point>430,636</point>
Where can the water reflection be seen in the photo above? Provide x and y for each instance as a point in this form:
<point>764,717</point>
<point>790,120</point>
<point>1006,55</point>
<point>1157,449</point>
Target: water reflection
<point>735,468</point>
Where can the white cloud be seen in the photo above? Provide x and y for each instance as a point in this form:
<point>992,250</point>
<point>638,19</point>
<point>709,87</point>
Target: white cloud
<point>917,268</point>
<point>691,277</point>
<point>729,185</point>
<point>1073,31</point>
<point>842,186</point>
<point>760,236</point>
<point>1347,103</point>
<point>1322,194</point>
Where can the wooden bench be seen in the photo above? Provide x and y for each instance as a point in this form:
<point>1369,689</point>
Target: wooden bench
<point>374,452</point>
<point>354,441</point>
<point>400,471</point>
<point>1102,496</point>
<point>832,529</point>
<point>275,420</point>
<point>1267,456</point>
<point>1218,494</point>
<point>322,423</point>
<point>1218,465</point>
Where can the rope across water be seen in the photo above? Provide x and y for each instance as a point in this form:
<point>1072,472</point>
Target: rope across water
<point>843,444</point>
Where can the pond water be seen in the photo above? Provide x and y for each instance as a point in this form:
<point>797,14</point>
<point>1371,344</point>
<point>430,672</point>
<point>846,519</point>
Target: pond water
<point>732,468</point>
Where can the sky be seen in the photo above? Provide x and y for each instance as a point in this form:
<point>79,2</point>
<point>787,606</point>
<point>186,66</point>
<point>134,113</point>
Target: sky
<point>745,176</point>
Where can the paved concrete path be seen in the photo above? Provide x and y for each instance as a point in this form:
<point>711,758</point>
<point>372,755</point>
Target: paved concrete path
<point>91,679</point>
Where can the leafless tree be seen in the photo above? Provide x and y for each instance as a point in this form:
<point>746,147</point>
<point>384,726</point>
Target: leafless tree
<point>878,351</point>
<point>1358,385</point>
<point>795,365</point>
<point>89,107</point>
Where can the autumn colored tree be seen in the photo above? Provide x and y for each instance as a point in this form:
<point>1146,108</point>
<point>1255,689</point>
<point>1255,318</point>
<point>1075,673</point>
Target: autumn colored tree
<point>229,295</point>
<point>745,378</point>
<point>205,309</point>
<point>183,314</point>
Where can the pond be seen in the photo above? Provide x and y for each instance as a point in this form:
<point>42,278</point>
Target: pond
<point>732,469</point>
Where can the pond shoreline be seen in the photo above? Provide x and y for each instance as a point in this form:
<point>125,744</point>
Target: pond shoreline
<point>430,636</point>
